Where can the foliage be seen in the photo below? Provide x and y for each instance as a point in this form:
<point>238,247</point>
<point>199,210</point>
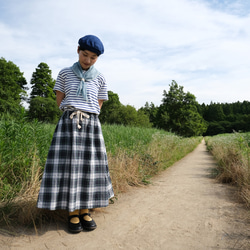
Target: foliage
<point>214,113</point>
<point>110,109</point>
<point>218,118</point>
<point>180,110</point>
<point>151,111</point>
<point>42,98</point>
<point>44,109</point>
<point>12,87</point>
<point>226,117</point>
<point>42,82</point>
<point>113,112</point>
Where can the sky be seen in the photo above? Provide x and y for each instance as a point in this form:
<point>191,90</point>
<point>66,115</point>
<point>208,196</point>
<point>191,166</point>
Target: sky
<point>204,45</point>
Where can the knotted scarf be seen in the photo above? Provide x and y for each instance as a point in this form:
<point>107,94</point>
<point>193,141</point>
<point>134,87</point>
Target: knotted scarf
<point>84,76</point>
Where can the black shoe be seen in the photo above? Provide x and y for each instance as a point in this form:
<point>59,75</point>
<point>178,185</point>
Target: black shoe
<point>74,227</point>
<point>88,225</point>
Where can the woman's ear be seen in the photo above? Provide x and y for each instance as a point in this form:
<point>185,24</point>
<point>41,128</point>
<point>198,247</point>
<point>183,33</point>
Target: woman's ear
<point>78,49</point>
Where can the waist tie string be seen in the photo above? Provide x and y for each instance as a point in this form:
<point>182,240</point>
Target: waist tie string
<point>79,117</point>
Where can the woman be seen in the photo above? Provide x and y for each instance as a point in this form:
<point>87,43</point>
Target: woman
<point>76,176</point>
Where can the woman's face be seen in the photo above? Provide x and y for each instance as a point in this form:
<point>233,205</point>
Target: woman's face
<point>87,58</point>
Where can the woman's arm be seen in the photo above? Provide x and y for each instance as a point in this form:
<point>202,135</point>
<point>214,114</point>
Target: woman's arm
<point>100,103</point>
<point>59,97</point>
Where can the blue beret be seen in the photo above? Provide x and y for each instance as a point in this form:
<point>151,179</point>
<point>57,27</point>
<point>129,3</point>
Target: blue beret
<point>91,43</point>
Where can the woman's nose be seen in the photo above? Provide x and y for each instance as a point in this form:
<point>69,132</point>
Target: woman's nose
<point>87,60</point>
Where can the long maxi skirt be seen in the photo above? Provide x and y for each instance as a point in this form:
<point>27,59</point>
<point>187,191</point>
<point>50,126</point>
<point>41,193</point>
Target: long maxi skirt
<point>76,174</point>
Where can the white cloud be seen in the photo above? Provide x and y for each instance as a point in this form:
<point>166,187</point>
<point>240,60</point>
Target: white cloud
<point>201,44</point>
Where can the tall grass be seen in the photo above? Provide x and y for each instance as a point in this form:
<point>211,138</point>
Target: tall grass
<point>232,152</point>
<point>134,154</point>
<point>23,147</point>
<point>137,154</point>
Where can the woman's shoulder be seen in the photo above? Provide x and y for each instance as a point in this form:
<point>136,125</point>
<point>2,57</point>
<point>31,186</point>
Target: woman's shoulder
<point>65,70</point>
<point>101,77</point>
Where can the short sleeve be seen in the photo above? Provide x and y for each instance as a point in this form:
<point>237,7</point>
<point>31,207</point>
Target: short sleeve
<point>103,92</point>
<point>60,82</point>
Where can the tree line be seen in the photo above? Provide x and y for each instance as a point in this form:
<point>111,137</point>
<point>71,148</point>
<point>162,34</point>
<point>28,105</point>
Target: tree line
<point>179,112</point>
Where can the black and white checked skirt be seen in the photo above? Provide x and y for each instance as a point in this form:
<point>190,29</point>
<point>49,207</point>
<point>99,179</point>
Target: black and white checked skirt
<point>76,174</point>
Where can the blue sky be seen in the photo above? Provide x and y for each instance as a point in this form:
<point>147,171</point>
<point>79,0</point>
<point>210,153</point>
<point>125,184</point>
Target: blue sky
<point>204,45</point>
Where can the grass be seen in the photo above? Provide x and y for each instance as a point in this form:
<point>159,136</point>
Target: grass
<point>23,149</point>
<point>135,155</point>
<point>232,152</point>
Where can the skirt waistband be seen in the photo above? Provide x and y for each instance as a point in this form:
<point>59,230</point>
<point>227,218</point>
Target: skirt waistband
<point>71,108</point>
<point>79,114</point>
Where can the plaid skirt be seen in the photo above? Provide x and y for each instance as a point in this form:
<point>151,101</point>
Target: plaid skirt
<point>76,174</point>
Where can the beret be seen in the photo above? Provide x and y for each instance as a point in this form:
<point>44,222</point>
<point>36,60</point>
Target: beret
<point>91,43</point>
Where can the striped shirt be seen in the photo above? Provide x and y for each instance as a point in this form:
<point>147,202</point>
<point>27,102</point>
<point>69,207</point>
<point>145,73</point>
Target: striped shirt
<point>67,82</point>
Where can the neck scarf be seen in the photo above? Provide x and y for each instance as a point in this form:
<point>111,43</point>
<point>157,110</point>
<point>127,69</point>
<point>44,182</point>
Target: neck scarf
<point>84,76</point>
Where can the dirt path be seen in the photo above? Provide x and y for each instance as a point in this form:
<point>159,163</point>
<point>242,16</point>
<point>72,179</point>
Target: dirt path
<point>184,208</point>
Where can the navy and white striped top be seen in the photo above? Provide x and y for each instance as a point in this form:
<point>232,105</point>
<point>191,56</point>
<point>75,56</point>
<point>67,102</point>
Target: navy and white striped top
<point>67,82</point>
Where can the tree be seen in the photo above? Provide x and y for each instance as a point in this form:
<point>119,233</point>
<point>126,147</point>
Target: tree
<point>42,98</point>
<point>180,111</point>
<point>128,116</point>
<point>214,112</point>
<point>113,112</point>
<point>227,109</point>
<point>110,109</point>
<point>42,82</point>
<point>12,87</point>
<point>44,109</point>
<point>151,111</point>
<point>143,120</point>
<point>214,128</point>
